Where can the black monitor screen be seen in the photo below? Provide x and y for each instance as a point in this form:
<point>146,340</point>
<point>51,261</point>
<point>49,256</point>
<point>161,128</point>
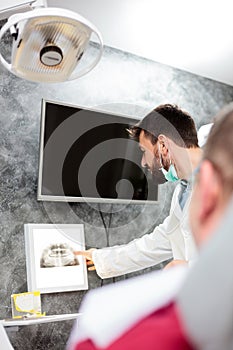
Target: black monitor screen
<point>88,155</point>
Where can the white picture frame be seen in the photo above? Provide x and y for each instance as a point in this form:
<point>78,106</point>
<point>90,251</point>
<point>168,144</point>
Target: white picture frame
<point>50,262</point>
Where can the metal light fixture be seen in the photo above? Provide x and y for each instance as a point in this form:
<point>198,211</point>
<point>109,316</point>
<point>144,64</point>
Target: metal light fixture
<point>50,44</point>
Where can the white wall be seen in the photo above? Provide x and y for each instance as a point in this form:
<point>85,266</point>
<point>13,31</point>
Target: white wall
<point>191,35</point>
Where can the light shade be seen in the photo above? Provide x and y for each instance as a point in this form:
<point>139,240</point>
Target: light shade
<point>49,45</point>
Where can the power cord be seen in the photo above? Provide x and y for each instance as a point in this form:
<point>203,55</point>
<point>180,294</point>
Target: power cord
<point>107,229</point>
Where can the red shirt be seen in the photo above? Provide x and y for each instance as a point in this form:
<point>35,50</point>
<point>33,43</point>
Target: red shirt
<point>161,330</point>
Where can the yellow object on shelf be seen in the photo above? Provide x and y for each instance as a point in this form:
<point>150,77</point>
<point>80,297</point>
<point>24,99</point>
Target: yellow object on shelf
<point>26,304</point>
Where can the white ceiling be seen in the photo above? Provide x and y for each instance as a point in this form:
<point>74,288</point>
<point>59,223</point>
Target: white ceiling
<point>196,36</point>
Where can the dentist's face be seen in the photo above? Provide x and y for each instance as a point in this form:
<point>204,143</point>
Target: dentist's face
<point>150,157</point>
<point>148,151</point>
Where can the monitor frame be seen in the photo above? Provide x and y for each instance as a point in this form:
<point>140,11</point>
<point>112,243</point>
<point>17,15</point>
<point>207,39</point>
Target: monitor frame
<point>76,199</point>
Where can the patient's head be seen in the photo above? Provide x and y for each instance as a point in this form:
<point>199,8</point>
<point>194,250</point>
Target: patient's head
<point>214,179</point>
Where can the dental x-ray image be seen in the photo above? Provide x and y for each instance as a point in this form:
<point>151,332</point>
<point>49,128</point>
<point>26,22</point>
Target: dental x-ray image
<point>58,254</point>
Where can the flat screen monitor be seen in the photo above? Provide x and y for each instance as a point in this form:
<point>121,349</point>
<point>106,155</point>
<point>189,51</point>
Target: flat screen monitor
<point>87,155</point>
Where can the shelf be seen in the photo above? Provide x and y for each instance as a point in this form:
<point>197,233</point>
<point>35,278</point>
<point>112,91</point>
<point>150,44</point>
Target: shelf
<point>37,320</point>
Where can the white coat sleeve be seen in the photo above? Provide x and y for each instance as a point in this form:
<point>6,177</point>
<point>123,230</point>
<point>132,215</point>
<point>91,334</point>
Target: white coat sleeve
<point>149,250</point>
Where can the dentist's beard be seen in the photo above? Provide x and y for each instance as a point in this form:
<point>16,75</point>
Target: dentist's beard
<point>157,174</point>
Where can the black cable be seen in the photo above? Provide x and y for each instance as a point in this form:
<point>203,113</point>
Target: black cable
<point>107,229</point>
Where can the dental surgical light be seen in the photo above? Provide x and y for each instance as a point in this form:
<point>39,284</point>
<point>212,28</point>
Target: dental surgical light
<point>51,45</point>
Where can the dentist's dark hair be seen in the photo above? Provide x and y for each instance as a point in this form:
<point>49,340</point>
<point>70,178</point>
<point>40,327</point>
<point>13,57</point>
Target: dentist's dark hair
<point>171,121</point>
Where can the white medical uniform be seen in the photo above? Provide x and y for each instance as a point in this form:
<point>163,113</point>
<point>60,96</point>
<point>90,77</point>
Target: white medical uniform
<point>171,239</point>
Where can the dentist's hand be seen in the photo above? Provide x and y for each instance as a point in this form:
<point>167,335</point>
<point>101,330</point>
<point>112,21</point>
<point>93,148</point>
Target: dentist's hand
<point>88,255</point>
<point>175,263</point>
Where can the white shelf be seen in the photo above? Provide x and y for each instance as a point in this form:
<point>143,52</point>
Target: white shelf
<point>36,320</point>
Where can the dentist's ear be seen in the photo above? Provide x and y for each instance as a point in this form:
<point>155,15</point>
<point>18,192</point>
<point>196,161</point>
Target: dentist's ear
<point>163,145</point>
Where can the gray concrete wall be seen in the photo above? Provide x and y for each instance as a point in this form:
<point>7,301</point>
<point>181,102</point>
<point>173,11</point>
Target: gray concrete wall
<point>121,83</point>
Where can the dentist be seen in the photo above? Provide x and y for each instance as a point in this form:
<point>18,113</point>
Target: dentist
<point>167,137</point>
